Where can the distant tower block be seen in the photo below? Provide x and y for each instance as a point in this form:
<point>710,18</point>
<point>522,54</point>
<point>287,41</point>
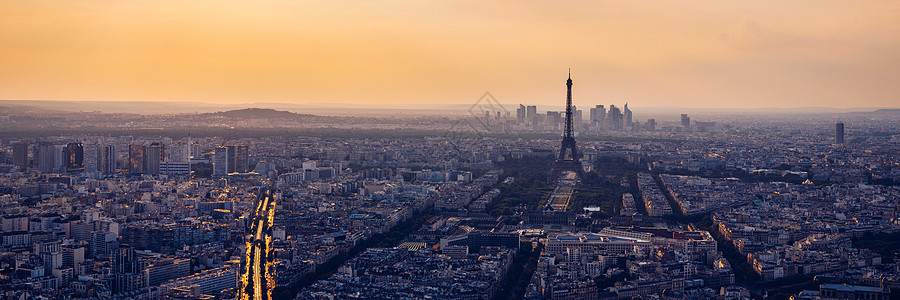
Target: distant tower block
<point>839,133</point>
<point>569,162</point>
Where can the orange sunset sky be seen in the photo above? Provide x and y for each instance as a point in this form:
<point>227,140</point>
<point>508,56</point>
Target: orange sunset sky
<point>649,53</point>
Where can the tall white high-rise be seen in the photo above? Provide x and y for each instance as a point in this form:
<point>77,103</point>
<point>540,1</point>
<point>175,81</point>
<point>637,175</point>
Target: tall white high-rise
<point>107,159</point>
<point>220,161</point>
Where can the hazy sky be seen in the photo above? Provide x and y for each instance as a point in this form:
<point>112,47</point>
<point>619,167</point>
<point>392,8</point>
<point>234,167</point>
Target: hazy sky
<point>698,53</point>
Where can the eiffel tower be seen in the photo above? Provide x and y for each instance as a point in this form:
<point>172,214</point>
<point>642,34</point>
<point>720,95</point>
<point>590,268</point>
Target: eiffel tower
<point>569,162</point>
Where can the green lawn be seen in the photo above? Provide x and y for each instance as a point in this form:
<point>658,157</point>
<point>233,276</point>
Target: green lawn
<point>601,187</point>
<point>529,190</point>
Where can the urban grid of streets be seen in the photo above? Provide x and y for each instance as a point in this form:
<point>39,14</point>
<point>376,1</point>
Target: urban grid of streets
<point>725,208</point>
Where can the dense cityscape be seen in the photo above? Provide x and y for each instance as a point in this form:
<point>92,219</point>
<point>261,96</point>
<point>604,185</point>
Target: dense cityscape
<point>486,205</point>
<point>456,150</point>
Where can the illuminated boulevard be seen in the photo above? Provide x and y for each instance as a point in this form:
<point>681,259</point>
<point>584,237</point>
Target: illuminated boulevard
<point>257,279</point>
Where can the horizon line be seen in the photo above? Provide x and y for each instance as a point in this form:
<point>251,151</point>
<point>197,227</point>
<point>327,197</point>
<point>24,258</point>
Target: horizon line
<point>451,106</point>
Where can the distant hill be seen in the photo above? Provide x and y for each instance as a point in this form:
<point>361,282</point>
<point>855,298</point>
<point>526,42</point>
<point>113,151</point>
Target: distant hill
<point>259,113</point>
<point>879,113</point>
<point>15,109</point>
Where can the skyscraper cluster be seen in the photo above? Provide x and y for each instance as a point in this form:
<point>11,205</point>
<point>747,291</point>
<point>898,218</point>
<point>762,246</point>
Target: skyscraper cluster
<point>151,159</point>
<point>614,118</point>
<point>231,159</point>
<point>75,157</point>
<point>526,115</point>
<point>52,158</point>
<point>599,118</point>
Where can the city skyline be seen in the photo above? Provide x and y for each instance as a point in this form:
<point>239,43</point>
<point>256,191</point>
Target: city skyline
<point>719,55</point>
<point>299,150</point>
<point>267,204</point>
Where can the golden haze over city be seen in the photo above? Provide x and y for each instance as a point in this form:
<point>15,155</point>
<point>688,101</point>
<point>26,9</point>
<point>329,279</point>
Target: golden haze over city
<point>719,54</point>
